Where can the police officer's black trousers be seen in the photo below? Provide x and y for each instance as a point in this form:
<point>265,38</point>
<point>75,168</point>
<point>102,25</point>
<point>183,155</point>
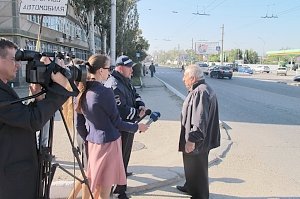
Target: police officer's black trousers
<point>127,142</point>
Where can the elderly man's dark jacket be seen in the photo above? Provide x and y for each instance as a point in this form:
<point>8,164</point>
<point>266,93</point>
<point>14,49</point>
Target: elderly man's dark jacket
<point>200,119</point>
<point>18,148</point>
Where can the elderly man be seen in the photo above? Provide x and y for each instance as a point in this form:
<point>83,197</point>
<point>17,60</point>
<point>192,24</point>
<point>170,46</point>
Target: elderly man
<point>199,132</point>
<point>130,106</point>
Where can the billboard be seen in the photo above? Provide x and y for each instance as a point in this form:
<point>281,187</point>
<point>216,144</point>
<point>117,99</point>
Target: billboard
<point>207,48</point>
<point>44,7</point>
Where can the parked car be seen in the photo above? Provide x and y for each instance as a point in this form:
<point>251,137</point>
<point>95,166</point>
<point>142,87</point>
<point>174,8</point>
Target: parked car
<point>281,71</point>
<point>262,69</point>
<point>245,69</point>
<point>221,72</point>
<point>204,67</point>
<point>297,78</point>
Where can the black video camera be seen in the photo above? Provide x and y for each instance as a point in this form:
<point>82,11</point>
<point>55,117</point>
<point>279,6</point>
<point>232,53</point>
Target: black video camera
<point>39,73</point>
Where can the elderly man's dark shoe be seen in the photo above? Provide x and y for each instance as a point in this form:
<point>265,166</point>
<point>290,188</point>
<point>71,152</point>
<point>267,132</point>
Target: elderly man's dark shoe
<point>182,188</point>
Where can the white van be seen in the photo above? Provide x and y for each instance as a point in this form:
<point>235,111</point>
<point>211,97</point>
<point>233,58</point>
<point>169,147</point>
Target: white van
<point>203,66</point>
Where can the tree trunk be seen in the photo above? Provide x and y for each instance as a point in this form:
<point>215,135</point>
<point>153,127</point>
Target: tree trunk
<point>91,34</point>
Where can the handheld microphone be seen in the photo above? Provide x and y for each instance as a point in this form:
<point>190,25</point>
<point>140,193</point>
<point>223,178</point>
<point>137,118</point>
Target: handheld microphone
<point>147,112</point>
<point>153,117</point>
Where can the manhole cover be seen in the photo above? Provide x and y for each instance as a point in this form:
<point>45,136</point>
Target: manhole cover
<point>137,146</point>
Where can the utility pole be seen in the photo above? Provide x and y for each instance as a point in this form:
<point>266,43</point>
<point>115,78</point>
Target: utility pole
<point>222,50</point>
<point>192,44</point>
<point>113,32</point>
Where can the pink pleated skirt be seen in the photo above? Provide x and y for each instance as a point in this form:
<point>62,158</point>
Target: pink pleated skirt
<point>105,165</point>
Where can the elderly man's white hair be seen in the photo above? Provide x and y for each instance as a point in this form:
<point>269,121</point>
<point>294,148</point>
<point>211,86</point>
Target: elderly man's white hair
<point>195,71</point>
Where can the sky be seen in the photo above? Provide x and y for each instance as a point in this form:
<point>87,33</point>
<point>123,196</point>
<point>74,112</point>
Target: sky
<point>171,24</point>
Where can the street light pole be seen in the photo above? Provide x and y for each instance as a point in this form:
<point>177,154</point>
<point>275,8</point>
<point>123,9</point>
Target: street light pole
<point>222,50</point>
<point>263,50</point>
<point>113,33</point>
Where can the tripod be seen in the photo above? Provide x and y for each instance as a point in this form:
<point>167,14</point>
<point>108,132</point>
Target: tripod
<point>47,169</point>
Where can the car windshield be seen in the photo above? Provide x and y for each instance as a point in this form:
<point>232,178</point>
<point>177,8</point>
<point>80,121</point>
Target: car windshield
<point>225,68</point>
<point>203,65</point>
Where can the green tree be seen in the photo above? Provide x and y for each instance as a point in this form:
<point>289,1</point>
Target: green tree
<point>250,57</point>
<point>85,12</point>
<point>214,58</point>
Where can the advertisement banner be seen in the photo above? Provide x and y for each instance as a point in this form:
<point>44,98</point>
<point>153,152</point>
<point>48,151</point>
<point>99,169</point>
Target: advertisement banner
<point>207,48</point>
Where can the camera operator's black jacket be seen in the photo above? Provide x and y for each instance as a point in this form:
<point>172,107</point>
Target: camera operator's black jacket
<point>18,149</point>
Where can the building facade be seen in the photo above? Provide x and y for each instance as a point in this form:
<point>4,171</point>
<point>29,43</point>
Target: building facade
<point>61,34</point>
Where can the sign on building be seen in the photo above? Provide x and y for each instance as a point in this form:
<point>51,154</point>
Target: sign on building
<point>207,48</point>
<point>44,7</point>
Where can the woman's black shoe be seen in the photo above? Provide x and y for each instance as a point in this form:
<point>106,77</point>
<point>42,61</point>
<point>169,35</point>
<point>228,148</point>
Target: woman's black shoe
<point>181,188</point>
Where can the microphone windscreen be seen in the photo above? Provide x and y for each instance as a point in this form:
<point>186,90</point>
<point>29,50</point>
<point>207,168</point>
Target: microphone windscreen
<point>148,112</point>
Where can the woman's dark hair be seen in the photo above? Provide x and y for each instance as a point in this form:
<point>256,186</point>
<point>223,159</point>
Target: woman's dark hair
<point>95,62</point>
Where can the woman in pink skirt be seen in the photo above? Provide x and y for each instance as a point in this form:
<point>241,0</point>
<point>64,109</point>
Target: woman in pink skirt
<point>102,124</point>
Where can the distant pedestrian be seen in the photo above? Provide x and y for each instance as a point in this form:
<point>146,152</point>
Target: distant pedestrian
<point>182,68</point>
<point>144,70</point>
<point>152,69</point>
<point>200,132</point>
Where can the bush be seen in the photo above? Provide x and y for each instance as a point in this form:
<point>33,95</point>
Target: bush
<point>137,70</point>
<point>136,81</point>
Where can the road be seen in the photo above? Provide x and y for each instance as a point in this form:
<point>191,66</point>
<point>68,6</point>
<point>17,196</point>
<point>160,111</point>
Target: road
<point>247,100</point>
<point>264,161</point>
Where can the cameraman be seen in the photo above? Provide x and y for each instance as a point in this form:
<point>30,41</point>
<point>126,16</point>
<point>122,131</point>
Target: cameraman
<point>18,126</point>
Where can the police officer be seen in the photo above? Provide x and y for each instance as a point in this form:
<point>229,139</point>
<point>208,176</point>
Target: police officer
<point>130,107</point>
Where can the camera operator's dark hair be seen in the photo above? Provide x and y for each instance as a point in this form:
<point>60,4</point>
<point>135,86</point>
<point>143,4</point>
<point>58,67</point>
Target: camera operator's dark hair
<point>4,44</point>
<point>95,62</point>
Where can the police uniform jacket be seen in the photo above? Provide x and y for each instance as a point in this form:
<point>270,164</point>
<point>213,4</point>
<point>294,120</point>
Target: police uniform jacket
<point>18,147</point>
<point>127,99</point>
<point>200,119</point>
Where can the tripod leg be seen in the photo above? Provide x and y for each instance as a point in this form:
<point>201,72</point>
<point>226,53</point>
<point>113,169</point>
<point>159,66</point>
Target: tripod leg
<point>75,153</point>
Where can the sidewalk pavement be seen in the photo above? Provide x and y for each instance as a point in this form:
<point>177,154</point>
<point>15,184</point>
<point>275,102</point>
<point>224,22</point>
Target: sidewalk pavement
<point>155,160</point>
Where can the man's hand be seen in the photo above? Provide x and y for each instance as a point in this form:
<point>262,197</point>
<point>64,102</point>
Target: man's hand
<point>142,110</point>
<point>143,127</point>
<point>60,79</point>
<point>34,89</point>
<point>189,146</point>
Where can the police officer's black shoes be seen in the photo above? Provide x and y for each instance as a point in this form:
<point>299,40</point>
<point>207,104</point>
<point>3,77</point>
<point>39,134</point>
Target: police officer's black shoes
<point>122,196</point>
<point>129,174</point>
<point>182,188</point>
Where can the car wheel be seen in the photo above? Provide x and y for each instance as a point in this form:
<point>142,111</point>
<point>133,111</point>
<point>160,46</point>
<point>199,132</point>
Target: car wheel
<point>230,77</point>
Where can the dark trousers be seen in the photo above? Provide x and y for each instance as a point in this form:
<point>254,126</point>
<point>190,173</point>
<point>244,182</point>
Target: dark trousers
<point>127,142</point>
<point>152,73</point>
<point>196,175</point>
